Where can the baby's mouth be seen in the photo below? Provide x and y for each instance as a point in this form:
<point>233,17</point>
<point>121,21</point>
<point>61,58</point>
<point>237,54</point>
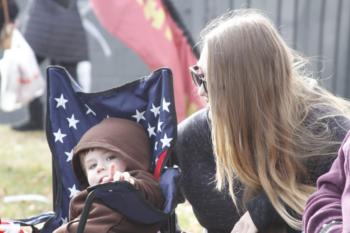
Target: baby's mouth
<point>101,179</point>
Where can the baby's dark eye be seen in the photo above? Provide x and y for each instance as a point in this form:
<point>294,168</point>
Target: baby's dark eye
<point>92,166</point>
<point>111,157</point>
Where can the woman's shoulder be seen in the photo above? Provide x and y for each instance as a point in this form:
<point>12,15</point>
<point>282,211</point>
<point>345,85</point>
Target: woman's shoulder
<point>340,125</point>
<point>196,123</point>
<point>321,118</point>
<point>332,125</point>
<point>194,136</point>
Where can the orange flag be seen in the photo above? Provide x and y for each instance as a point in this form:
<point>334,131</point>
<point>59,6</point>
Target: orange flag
<point>147,27</point>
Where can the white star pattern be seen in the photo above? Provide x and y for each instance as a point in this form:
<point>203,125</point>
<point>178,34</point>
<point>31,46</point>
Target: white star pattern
<point>155,110</point>
<point>73,191</point>
<point>166,141</point>
<point>139,116</point>
<point>59,136</point>
<point>166,105</point>
<point>150,130</point>
<point>61,102</point>
<point>159,128</point>
<point>89,110</point>
<point>72,122</point>
<point>69,155</point>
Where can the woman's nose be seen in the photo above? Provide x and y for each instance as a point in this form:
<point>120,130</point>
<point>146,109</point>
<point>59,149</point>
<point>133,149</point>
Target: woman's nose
<point>202,93</point>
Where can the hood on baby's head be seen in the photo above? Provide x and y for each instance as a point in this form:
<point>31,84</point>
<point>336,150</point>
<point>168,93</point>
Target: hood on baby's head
<point>126,137</point>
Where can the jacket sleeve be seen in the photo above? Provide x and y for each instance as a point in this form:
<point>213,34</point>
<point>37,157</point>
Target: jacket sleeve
<point>149,187</point>
<point>324,207</point>
<point>262,212</point>
<point>260,208</point>
<point>76,205</point>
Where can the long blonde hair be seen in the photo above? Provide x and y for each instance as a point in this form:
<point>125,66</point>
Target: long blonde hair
<point>260,102</point>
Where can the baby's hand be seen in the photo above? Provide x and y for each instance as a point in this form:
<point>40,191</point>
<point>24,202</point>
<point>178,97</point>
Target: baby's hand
<point>110,177</point>
<point>115,175</point>
<point>123,176</point>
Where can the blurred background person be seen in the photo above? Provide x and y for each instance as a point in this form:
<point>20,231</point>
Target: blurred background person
<point>55,32</point>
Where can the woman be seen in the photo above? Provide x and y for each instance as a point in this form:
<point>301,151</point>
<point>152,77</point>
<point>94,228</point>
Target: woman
<point>273,129</point>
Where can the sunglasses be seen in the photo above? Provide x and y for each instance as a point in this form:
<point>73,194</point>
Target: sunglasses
<point>198,77</point>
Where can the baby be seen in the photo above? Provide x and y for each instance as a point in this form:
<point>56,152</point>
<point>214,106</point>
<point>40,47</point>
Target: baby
<point>114,150</point>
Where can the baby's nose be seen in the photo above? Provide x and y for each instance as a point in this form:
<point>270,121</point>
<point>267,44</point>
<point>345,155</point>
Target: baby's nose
<point>101,167</point>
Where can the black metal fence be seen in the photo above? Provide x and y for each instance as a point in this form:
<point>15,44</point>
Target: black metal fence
<point>320,29</point>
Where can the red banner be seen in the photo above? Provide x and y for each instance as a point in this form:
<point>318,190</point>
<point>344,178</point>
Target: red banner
<point>147,28</point>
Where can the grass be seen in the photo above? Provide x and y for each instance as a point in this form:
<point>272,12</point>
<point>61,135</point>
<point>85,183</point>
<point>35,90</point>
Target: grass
<point>25,168</point>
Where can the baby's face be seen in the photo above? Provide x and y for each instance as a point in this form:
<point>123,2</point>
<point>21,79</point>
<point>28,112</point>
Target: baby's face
<point>98,162</point>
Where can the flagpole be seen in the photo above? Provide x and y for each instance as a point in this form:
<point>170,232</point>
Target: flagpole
<point>178,20</point>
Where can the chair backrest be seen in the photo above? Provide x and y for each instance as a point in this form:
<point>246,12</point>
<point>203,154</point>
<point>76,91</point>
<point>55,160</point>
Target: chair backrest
<point>70,113</point>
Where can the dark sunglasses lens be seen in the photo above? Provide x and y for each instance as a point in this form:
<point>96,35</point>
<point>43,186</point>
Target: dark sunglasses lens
<point>196,78</point>
<point>205,86</point>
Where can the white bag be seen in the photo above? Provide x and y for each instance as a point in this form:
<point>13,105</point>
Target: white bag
<point>21,79</point>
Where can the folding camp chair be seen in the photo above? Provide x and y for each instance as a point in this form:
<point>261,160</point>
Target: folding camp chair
<point>150,102</point>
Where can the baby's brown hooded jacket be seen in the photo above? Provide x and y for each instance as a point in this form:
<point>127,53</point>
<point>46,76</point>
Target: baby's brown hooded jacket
<point>129,140</point>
